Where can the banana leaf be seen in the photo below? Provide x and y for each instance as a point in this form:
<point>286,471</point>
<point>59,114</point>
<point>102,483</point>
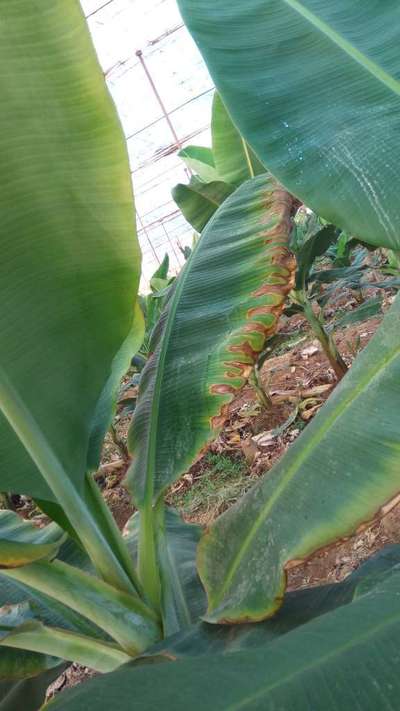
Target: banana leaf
<point>200,160</point>
<point>220,310</point>
<point>246,244</point>
<point>70,258</point>
<point>21,542</point>
<point>347,658</point>
<point>234,160</point>
<point>313,87</point>
<point>338,475</point>
<point>28,694</point>
<point>198,201</point>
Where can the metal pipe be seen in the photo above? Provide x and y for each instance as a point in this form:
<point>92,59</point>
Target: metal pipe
<point>143,228</point>
<point>139,54</point>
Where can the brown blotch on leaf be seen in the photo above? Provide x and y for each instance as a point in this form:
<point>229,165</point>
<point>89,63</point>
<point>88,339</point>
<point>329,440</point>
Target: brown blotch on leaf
<point>380,514</point>
<point>279,208</point>
<point>219,420</point>
<point>222,389</point>
<point>246,349</point>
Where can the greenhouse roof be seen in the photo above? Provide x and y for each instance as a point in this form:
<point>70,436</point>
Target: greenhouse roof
<point>163,94</point>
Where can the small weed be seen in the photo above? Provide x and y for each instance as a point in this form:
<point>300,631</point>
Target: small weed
<point>221,481</point>
<point>354,347</point>
<point>282,343</point>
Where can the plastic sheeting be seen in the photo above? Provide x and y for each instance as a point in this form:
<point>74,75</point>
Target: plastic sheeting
<point>121,28</point>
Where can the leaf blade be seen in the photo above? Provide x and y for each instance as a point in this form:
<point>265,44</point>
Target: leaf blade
<point>122,616</point>
<point>246,242</point>
<point>355,488</point>
<point>71,646</point>
<point>234,160</point>
<point>21,542</point>
<point>199,201</point>
<point>68,236</point>
<point>344,659</point>
<point>200,160</point>
<point>303,128</point>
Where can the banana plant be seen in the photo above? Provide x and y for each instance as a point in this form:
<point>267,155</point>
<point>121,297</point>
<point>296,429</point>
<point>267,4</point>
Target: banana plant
<point>69,277</point>
<point>60,603</point>
<point>77,589</point>
<point>313,247</point>
<point>218,171</point>
<point>152,305</point>
<point>337,630</point>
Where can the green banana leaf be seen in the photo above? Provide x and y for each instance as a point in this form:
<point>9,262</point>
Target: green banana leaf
<point>21,542</point>
<point>17,665</point>
<point>313,87</point>
<point>315,246</point>
<point>28,694</point>
<point>183,598</point>
<point>246,244</point>
<point>338,475</point>
<point>345,659</point>
<point>231,158</point>
<point>234,160</point>
<point>122,616</point>
<point>20,630</point>
<point>158,285</point>
<point>198,201</point>
<point>53,608</point>
<point>162,271</point>
<point>200,160</point>
<point>371,307</point>
<point>20,664</point>
<point>71,646</point>
<point>352,275</point>
<point>299,608</point>
<point>48,609</point>
<point>70,259</point>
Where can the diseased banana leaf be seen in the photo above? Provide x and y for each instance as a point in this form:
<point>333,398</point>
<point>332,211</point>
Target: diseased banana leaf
<point>299,607</point>
<point>338,475</point>
<point>313,87</point>
<point>218,313</point>
<point>225,302</point>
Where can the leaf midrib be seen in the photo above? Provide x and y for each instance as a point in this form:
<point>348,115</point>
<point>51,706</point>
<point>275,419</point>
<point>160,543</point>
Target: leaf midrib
<point>247,157</point>
<point>356,392</point>
<point>367,64</point>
